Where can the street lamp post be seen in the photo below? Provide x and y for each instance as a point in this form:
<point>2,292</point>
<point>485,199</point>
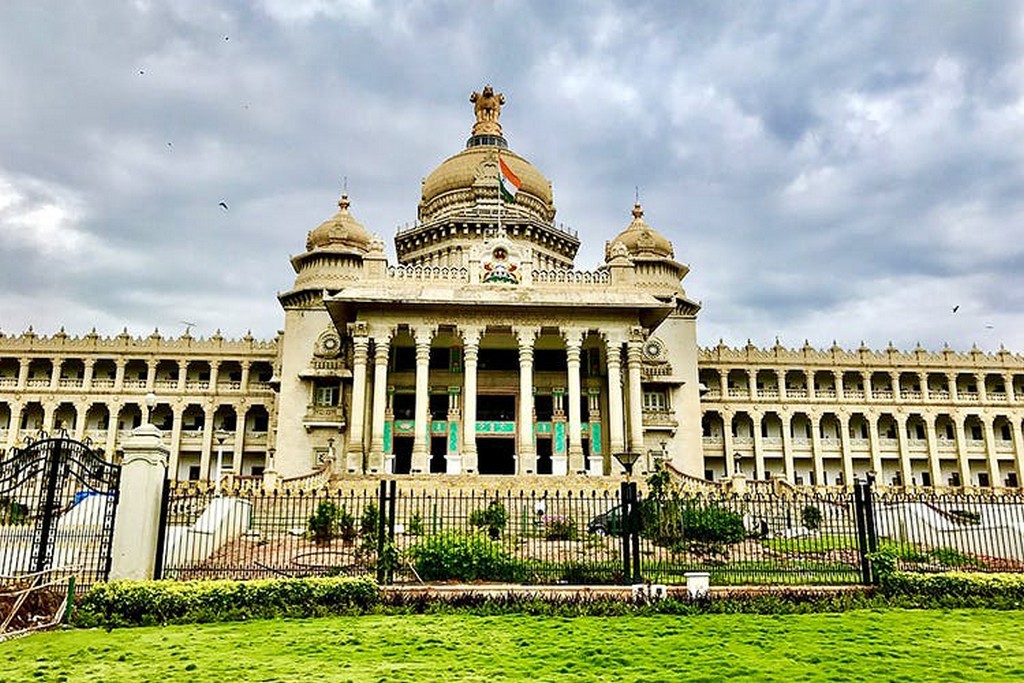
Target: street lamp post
<point>150,405</point>
<point>630,519</point>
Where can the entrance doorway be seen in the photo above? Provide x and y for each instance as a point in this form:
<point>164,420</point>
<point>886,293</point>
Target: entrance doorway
<point>543,456</point>
<point>496,455</point>
<point>403,454</point>
<point>438,449</point>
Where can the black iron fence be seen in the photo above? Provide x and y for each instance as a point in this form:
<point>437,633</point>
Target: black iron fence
<point>763,537</point>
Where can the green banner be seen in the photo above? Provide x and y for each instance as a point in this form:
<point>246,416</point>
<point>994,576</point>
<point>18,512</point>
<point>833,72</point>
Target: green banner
<point>559,440</point>
<point>495,427</point>
<point>543,427</point>
<point>453,437</point>
<point>387,437</point>
<point>595,438</point>
<point>404,427</point>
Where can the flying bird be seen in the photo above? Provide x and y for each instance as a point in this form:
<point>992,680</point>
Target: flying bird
<point>956,308</point>
<point>223,205</point>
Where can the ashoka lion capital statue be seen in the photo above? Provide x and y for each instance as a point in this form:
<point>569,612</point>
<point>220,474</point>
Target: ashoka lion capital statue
<point>487,107</point>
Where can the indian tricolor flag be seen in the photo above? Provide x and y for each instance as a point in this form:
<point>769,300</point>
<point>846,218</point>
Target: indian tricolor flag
<point>508,181</point>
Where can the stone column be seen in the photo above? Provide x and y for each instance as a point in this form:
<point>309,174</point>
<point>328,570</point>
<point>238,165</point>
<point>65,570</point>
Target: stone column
<point>120,365</point>
<point>381,350</point>
<point>963,460</point>
<point>1018,451</point>
<point>598,445</point>
<point>752,384</point>
<point>136,524</point>
<point>206,454</point>
<point>817,454</point>
<point>876,450</point>
<point>90,364</point>
<point>23,368</point>
<point>934,465</point>
<point>573,340</point>
<point>906,471</point>
<point>727,417</point>
<point>178,413</point>
<point>527,455</point>
<point>809,380</point>
<point>780,379</point>
<point>616,442</point>
<point>757,418</point>
<point>356,418</point>
<point>421,429</point>
<point>244,383</point>
<point>239,440</point>
<point>453,457</point>
<point>953,394</point>
<point>990,450</point>
<point>182,374</point>
<point>844,445</point>
<point>922,379</point>
<point>14,430</point>
<point>837,378</point>
<point>787,446</point>
<point>1008,383</point>
<point>58,363</point>
<point>470,354</point>
<point>636,398</point>
<point>151,374</point>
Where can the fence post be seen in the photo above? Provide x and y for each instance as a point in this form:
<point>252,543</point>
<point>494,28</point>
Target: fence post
<point>161,535</point>
<point>862,534</point>
<point>635,522</point>
<point>869,521</point>
<point>137,521</point>
<point>382,497</point>
<point>390,577</point>
<point>624,524</point>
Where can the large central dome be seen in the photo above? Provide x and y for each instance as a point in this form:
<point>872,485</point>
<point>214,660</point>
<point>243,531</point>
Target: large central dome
<point>468,181</point>
<point>461,203</point>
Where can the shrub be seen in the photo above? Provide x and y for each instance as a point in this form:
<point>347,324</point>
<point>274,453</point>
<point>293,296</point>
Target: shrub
<point>559,528</point>
<point>493,518</point>
<point>712,524</point>
<point>330,521</point>
<point>145,603</point>
<point>955,589</point>
<point>460,557</point>
<point>810,516</point>
<point>414,527</point>
<point>12,512</point>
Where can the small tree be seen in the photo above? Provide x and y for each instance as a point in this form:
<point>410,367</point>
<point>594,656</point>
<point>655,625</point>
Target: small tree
<point>811,517</point>
<point>493,518</point>
<point>323,524</point>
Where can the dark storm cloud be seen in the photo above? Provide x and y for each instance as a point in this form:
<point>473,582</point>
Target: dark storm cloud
<point>830,171</point>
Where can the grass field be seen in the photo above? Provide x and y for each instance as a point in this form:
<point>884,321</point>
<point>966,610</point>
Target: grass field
<point>854,646</point>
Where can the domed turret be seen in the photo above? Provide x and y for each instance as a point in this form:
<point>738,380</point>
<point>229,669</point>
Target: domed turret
<point>340,232</point>
<point>641,239</point>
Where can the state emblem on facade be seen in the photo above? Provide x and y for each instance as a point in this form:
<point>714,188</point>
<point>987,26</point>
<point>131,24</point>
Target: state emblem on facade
<point>500,269</point>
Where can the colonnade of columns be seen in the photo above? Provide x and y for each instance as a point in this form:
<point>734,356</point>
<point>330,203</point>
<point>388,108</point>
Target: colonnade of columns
<point>370,452</point>
<point>829,435</point>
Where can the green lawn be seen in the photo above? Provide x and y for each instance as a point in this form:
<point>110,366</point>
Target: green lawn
<point>854,646</point>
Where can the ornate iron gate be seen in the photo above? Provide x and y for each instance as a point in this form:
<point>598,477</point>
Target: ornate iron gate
<point>57,504</point>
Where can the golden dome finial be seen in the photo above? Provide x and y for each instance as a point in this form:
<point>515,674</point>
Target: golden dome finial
<point>487,107</point>
<point>638,211</point>
<point>344,203</point>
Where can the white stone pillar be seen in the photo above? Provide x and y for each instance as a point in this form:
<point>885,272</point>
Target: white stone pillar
<point>758,418</point>
<point>875,447</point>
<point>844,445</point>
<point>636,402</point>
<point>90,366</point>
<point>357,415</point>
<point>934,464</point>
<point>573,340</point>
<point>787,446</point>
<point>421,429</point>
<point>470,354</point>
<point>994,476</point>
<point>136,524</point>
<point>817,453</point>
<point>727,451</point>
<point>906,470</point>
<point>526,461</point>
<point>963,459</point>
<point>381,349</point>
<point>616,442</point>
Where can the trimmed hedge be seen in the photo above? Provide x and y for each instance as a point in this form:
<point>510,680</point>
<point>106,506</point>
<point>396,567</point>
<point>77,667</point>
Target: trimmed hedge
<point>954,589</point>
<point>148,603</point>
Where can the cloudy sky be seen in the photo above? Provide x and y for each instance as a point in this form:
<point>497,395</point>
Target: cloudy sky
<point>830,170</point>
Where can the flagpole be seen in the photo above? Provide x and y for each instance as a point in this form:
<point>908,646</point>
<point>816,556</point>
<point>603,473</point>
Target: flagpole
<point>501,201</point>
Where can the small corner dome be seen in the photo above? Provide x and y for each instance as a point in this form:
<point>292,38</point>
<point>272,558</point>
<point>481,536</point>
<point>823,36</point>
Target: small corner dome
<point>641,239</point>
<point>340,232</point>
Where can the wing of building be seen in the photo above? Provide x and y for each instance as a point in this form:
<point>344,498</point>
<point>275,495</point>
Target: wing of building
<point>484,351</point>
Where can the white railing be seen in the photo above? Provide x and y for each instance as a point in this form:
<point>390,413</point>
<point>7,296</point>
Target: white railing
<point>458,274</point>
<point>571,277</point>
